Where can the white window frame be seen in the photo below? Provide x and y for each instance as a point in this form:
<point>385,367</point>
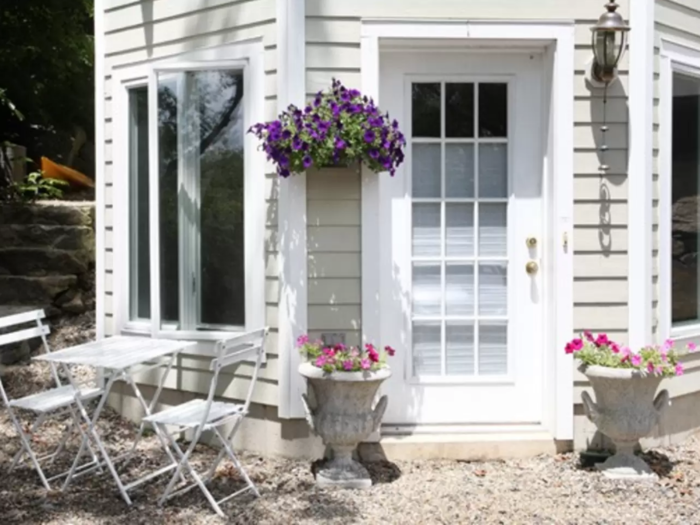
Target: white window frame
<point>249,56</point>
<point>676,57</point>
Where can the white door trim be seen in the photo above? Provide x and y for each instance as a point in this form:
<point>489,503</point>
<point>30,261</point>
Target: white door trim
<point>558,419</point>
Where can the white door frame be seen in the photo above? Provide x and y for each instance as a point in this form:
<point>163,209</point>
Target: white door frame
<point>558,254</point>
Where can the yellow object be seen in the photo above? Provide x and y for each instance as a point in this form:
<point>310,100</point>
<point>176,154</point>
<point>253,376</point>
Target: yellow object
<point>51,170</point>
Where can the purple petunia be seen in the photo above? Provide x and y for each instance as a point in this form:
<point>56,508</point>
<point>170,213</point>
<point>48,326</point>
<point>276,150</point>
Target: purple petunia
<point>337,125</point>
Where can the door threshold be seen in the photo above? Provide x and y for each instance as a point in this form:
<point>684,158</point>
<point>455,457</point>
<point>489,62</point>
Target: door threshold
<point>505,429</point>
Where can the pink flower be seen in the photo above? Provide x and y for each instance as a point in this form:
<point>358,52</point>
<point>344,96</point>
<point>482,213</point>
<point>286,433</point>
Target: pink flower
<point>320,361</point>
<point>659,370</point>
<point>679,369</point>
<point>569,348</point>
<point>365,364</point>
<point>625,354</point>
<point>355,352</point>
<point>668,344</point>
<point>664,356</point>
<point>615,348</point>
<point>302,340</point>
<point>348,365</point>
<point>389,350</point>
<point>650,367</point>
<point>373,355</point>
<point>692,347</point>
<point>636,360</point>
<point>576,344</point>
<point>602,340</point>
<point>369,347</point>
<point>330,352</point>
<point>588,335</point>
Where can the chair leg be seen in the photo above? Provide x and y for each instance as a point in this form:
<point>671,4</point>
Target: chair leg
<point>16,460</point>
<point>27,447</point>
<point>184,463</point>
<point>235,461</point>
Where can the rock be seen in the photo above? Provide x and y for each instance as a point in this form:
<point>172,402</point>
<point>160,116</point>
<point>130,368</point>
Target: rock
<point>75,305</point>
<point>40,262</point>
<point>66,297</point>
<point>50,213</point>
<point>34,290</point>
<point>14,353</point>
<point>47,236</point>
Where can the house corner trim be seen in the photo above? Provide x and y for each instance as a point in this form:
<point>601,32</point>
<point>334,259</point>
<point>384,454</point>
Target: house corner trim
<point>291,89</point>
<point>639,172</point>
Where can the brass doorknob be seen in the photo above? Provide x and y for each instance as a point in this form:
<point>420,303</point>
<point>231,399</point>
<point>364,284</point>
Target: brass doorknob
<point>531,242</point>
<point>531,267</point>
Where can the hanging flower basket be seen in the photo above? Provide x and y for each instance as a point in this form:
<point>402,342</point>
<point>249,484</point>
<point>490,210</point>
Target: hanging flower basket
<point>338,128</point>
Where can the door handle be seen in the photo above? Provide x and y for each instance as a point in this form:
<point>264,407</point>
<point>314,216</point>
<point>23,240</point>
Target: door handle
<point>531,267</point>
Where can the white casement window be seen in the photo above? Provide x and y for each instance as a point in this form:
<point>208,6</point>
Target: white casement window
<point>190,207</point>
<point>679,180</point>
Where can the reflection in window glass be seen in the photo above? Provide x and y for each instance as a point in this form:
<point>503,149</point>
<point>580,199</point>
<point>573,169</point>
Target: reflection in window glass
<point>201,136</point>
<point>168,198</point>
<point>139,243</point>
<point>426,110</point>
<point>685,186</point>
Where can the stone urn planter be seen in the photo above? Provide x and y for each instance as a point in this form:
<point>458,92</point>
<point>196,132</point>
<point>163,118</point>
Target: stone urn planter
<point>339,410</point>
<point>625,410</point>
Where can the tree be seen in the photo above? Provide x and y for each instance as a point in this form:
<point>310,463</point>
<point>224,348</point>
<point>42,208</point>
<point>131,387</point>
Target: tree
<point>46,70</point>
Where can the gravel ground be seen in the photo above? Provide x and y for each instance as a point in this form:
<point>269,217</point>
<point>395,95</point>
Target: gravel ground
<point>541,490</point>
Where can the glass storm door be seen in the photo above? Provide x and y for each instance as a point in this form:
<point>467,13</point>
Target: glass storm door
<point>465,222</point>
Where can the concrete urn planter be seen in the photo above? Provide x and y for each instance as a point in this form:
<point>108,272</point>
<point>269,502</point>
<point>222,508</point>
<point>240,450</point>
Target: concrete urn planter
<point>625,410</point>
<point>339,410</point>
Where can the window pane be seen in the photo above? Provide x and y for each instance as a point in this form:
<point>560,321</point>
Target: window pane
<point>459,289</point>
<point>222,257</point>
<point>426,230</point>
<point>426,170</point>
<point>139,242</point>
<point>493,349</point>
<point>426,110</point>
<point>168,159</point>
<point>427,289</point>
<point>459,234</point>
<point>459,110</point>
<point>493,170</point>
<point>493,110</point>
<point>685,189</point>
<point>493,237</point>
<point>427,348</point>
<point>459,351</point>
<point>493,289</point>
<point>459,170</point>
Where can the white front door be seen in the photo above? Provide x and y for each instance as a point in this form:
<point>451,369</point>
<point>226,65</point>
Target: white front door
<point>456,299</point>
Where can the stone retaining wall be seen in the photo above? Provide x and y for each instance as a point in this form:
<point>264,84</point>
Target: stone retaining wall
<point>47,251</point>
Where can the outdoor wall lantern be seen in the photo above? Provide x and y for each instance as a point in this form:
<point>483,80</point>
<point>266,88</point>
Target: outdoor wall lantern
<point>609,42</point>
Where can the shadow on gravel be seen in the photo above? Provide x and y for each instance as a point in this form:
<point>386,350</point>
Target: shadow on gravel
<point>380,471</point>
<point>660,463</point>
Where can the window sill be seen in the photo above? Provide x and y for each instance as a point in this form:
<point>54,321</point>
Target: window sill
<point>685,332</point>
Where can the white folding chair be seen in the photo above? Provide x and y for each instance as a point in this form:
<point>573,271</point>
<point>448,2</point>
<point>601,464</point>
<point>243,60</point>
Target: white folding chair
<point>202,415</point>
<point>52,403</point>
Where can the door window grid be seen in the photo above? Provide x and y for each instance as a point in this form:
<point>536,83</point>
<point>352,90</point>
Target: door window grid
<point>458,324</point>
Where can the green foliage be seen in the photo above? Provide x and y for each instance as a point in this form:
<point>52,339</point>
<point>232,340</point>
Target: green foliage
<point>36,187</point>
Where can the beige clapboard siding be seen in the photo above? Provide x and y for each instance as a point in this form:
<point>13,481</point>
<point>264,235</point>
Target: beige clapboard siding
<point>141,31</point>
<point>334,246</point>
<point>495,9</point>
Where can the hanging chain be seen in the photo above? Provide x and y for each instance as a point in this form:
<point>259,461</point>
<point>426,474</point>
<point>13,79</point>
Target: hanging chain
<point>604,133</point>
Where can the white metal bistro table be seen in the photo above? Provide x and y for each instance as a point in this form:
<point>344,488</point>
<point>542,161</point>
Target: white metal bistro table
<point>120,358</point>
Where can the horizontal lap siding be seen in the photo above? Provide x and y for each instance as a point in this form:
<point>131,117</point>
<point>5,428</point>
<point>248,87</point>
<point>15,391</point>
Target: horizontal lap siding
<point>334,252</point>
<point>600,207</point>
<point>137,32</point>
